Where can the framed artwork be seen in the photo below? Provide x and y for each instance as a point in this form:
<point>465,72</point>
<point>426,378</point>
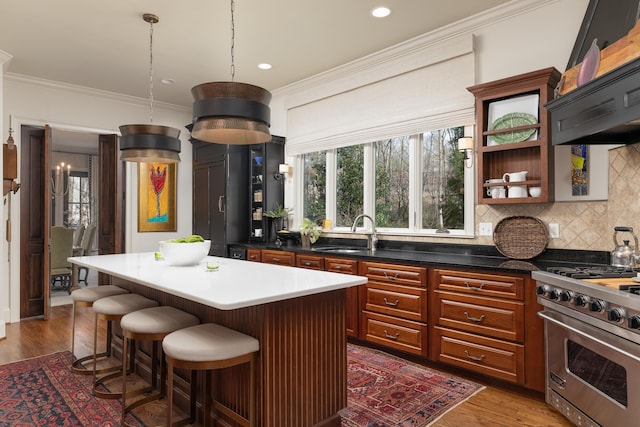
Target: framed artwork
<point>156,197</point>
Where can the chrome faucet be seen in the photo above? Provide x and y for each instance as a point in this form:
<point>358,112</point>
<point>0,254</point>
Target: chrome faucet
<point>372,238</point>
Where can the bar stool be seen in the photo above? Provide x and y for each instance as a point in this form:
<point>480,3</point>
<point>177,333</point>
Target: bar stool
<point>113,309</point>
<point>150,324</point>
<point>85,297</point>
<point>207,347</point>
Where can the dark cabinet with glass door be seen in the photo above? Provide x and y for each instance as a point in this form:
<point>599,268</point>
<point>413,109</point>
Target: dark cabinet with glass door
<point>266,187</point>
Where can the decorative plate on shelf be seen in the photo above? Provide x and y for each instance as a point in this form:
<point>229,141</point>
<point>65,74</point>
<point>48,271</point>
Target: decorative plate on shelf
<point>512,120</point>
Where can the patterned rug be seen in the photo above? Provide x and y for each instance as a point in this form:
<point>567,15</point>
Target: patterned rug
<point>43,392</point>
<point>384,390</point>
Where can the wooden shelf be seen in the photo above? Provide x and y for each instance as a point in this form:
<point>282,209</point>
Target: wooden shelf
<point>535,156</point>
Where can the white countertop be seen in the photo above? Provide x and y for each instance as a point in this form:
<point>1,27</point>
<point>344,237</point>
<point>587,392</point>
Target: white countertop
<point>236,283</point>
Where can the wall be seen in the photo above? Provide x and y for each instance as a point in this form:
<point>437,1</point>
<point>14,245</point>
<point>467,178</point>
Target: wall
<point>520,37</point>
<point>34,102</point>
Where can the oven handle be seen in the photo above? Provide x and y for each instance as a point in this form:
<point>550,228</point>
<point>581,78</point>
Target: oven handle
<point>546,316</point>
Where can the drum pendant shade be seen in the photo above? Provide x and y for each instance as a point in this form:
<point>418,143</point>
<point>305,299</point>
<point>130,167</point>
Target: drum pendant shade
<point>149,144</point>
<point>231,113</point>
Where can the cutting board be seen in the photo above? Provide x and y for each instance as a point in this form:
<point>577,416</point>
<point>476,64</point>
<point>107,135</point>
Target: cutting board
<point>612,283</point>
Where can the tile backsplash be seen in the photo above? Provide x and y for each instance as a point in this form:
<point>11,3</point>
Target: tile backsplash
<point>585,225</point>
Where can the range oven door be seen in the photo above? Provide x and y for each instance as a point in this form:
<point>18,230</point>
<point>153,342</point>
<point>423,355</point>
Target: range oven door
<point>594,371</point>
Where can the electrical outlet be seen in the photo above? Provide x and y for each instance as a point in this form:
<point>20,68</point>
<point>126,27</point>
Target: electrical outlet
<point>486,229</point>
<point>554,231</point>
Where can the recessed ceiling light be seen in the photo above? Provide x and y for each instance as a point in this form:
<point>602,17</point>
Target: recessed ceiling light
<point>264,66</point>
<point>380,12</point>
<point>168,81</point>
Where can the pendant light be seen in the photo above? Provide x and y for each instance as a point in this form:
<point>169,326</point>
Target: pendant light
<point>149,143</point>
<point>230,112</point>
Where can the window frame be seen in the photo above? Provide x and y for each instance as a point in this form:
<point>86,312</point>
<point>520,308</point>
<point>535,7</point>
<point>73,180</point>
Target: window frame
<point>415,192</point>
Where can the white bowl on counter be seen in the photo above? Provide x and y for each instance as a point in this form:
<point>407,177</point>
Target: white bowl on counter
<point>181,254</point>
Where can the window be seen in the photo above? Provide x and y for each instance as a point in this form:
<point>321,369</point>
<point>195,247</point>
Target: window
<point>412,184</point>
<point>349,184</point>
<point>78,200</point>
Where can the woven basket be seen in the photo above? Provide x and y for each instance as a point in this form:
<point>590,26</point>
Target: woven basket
<point>521,237</point>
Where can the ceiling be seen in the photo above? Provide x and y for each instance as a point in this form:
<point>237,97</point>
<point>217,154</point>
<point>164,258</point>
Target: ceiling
<point>105,44</point>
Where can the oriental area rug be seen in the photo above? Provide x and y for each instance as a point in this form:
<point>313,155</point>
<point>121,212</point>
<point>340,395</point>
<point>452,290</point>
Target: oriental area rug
<point>384,390</point>
<point>44,392</point>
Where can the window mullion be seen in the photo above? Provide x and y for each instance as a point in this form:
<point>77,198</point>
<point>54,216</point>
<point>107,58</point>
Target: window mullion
<point>332,186</point>
<point>369,183</point>
<point>415,182</point>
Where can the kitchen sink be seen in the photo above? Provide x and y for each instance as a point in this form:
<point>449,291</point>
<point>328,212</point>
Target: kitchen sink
<point>340,250</point>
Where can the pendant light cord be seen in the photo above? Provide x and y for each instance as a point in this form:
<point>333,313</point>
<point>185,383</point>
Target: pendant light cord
<point>151,71</point>
<point>233,40</point>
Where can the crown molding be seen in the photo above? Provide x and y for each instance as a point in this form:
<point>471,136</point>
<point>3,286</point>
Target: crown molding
<point>96,93</point>
<point>5,57</point>
<point>341,78</point>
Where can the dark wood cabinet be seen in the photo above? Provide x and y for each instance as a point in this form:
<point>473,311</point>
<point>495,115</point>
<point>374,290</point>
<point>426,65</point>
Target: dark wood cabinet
<point>499,140</point>
<point>266,187</point>
<point>233,185</point>
<point>348,266</point>
<point>220,186</point>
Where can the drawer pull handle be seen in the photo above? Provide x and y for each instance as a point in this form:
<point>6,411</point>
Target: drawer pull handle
<point>394,277</point>
<point>474,288</point>
<point>307,263</point>
<point>474,319</point>
<point>474,358</point>
<point>338,267</point>
<point>392,304</point>
<point>391,337</point>
<point>276,259</point>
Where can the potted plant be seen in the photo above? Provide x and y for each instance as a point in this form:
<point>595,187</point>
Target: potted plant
<point>278,214</point>
<point>309,232</point>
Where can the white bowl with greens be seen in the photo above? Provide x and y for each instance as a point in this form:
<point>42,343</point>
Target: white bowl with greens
<point>184,251</point>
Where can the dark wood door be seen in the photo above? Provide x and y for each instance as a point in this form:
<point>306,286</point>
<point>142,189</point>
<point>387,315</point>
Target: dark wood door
<point>110,230</point>
<point>35,222</point>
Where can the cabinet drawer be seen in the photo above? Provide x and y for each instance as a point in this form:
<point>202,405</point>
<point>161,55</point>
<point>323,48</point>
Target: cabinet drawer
<point>496,358</point>
<point>254,255</point>
<point>398,274</point>
<point>279,257</point>
<point>492,285</point>
<point>341,265</point>
<point>496,318</point>
<point>392,332</point>
<point>313,262</point>
<point>403,301</point>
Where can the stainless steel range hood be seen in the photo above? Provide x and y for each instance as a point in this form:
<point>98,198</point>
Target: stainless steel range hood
<point>603,111</point>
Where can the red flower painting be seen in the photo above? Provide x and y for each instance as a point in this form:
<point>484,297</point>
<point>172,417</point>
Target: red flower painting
<point>158,178</point>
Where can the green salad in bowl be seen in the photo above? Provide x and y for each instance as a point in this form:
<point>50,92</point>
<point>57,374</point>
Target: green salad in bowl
<point>185,250</point>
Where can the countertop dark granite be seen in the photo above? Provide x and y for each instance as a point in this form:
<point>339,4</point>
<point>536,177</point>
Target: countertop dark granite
<point>438,254</point>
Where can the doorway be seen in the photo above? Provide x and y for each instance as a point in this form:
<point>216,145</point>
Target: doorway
<point>38,173</point>
<point>75,197</point>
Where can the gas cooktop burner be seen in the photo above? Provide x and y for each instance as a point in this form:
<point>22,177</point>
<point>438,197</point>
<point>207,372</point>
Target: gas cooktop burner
<point>595,272</point>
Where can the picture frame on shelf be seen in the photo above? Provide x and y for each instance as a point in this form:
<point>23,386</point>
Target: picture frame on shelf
<point>156,197</point>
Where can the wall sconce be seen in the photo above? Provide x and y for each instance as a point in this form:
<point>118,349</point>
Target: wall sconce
<point>283,170</point>
<point>465,145</point>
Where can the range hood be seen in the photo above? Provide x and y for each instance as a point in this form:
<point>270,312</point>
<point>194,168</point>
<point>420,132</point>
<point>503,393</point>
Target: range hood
<point>604,111</point>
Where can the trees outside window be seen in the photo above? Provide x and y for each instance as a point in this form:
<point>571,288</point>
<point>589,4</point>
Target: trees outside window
<point>416,183</point>
<point>78,200</point>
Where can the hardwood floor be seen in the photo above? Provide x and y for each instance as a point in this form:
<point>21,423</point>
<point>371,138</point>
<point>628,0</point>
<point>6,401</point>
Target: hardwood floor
<point>498,405</point>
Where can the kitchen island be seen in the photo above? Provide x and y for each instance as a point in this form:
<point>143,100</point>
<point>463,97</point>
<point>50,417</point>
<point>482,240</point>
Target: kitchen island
<point>297,315</point>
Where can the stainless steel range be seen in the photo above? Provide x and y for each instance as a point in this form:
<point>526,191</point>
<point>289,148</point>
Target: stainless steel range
<point>592,339</point>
